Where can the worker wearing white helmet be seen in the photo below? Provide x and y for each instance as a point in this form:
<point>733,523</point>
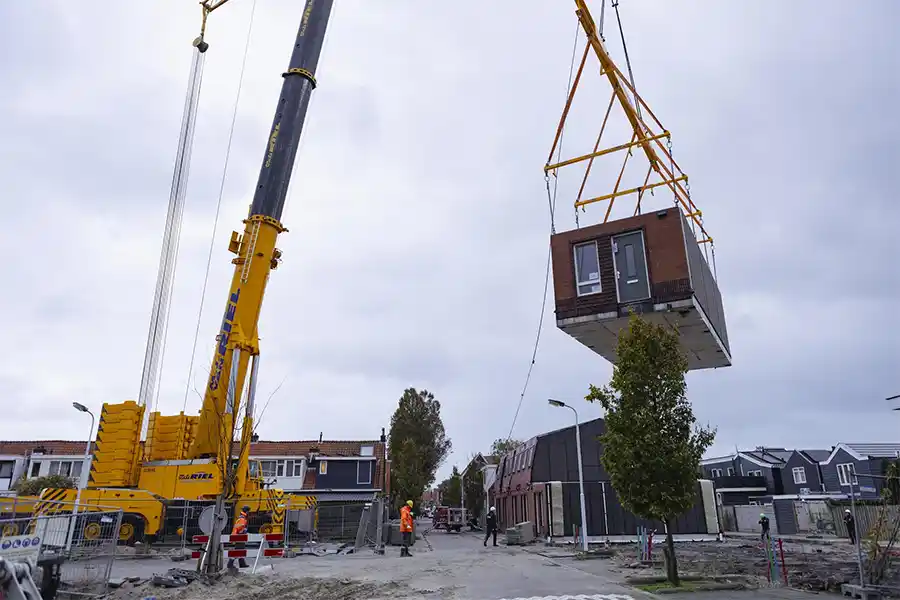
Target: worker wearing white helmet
<point>491,526</point>
<point>764,526</point>
<point>850,524</point>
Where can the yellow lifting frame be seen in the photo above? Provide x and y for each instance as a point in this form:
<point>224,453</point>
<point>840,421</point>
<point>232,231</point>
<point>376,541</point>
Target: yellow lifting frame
<point>659,157</point>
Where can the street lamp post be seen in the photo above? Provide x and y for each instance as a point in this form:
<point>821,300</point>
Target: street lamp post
<point>584,542</point>
<point>87,451</point>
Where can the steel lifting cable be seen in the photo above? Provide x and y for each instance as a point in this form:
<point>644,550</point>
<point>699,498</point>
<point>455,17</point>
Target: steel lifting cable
<point>637,104</point>
<point>602,18</point>
<point>551,199</point>
<point>212,241</point>
<point>156,339</point>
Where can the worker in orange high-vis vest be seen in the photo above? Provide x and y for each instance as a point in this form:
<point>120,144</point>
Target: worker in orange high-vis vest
<point>406,527</point>
<point>240,526</point>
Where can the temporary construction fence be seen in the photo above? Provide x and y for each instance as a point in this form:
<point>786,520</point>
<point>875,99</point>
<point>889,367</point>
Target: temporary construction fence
<point>819,517</point>
<point>338,522</point>
<point>73,545</point>
<point>745,518</point>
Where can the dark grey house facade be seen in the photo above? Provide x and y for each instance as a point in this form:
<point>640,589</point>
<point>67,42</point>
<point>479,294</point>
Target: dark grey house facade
<point>801,474</point>
<point>743,477</point>
<point>863,460</point>
<point>539,482</point>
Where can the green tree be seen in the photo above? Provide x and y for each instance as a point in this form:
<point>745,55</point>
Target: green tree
<point>652,446</point>
<point>473,491</point>
<point>451,489</point>
<point>501,446</point>
<point>418,444</point>
<point>34,485</point>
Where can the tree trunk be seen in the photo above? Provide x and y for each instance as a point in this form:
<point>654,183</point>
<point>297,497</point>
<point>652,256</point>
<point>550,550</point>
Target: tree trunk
<point>671,561</point>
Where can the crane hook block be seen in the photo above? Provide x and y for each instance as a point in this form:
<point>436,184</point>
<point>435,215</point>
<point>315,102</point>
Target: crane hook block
<point>200,45</point>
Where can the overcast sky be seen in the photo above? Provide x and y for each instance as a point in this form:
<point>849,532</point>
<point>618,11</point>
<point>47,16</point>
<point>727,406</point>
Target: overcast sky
<point>418,215</point>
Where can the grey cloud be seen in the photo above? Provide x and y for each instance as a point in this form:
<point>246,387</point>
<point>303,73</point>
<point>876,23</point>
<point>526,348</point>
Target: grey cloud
<point>418,213</point>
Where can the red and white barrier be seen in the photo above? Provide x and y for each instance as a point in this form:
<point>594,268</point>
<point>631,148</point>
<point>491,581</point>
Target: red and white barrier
<point>263,539</point>
<point>245,538</point>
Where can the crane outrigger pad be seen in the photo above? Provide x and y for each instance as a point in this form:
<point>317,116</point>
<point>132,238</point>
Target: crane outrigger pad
<point>650,264</point>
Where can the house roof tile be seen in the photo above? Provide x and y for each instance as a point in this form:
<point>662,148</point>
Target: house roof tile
<point>24,447</point>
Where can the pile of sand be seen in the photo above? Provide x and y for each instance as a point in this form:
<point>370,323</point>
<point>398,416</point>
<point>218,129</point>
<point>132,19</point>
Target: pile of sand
<point>271,586</point>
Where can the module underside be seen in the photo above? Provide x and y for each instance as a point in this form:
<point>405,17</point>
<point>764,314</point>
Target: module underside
<point>702,347</point>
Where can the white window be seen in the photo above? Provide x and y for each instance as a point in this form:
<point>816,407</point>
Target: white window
<point>367,450</point>
<point>845,473</point>
<point>757,473</point>
<point>716,473</point>
<point>6,469</point>
<point>299,468</point>
<point>363,472</point>
<point>799,475</point>
<point>268,468</point>
<point>35,469</point>
<point>587,269</point>
<point>323,467</point>
<point>730,471</point>
<point>54,467</point>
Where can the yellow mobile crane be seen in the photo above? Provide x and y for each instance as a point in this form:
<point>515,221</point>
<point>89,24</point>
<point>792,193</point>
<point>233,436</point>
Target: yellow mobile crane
<point>188,457</point>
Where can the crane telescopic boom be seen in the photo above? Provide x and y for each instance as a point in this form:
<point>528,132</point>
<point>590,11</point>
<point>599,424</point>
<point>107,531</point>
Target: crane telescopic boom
<point>238,340</point>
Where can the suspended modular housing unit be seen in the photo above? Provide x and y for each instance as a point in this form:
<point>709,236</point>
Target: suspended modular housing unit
<point>650,264</point>
<point>656,260</point>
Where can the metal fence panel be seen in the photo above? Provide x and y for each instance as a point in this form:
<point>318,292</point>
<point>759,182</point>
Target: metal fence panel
<point>338,522</point>
<point>79,544</point>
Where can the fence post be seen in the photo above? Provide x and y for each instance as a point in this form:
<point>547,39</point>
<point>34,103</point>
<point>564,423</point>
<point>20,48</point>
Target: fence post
<point>783,565</point>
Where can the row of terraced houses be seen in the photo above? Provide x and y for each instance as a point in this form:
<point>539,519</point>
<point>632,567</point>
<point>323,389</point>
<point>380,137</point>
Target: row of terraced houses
<point>537,483</point>
<point>333,471</point>
<point>798,489</point>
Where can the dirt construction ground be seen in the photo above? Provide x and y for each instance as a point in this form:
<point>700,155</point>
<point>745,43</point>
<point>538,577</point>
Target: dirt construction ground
<point>457,566</point>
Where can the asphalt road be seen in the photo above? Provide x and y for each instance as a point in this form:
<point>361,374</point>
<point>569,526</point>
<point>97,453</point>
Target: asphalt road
<point>454,563</point>
<point>457,564</point>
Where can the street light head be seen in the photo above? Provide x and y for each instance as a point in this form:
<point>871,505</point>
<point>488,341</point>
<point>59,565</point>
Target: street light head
<point>553,402</point>
<point>80,407</point>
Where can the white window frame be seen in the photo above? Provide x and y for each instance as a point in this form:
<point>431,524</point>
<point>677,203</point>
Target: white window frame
<point>730,471</point>
<point>35,468</point>
<point>844,470</point>
<point>323,467</point>
<point>715,473</point>
<point>268,468</point>
<point>586,282</point>
<point>756,473</point>
<point>799,474</point>
<point>359,471</point>
<point>367,450</point>
<point>299,468</point>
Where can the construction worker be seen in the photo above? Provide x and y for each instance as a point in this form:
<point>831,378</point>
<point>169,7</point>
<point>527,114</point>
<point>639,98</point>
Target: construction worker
<point>240,526</point>
<point>491,526</point>
<point>406,527</point>
<point>850,524</point>
<point>764,526</point>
